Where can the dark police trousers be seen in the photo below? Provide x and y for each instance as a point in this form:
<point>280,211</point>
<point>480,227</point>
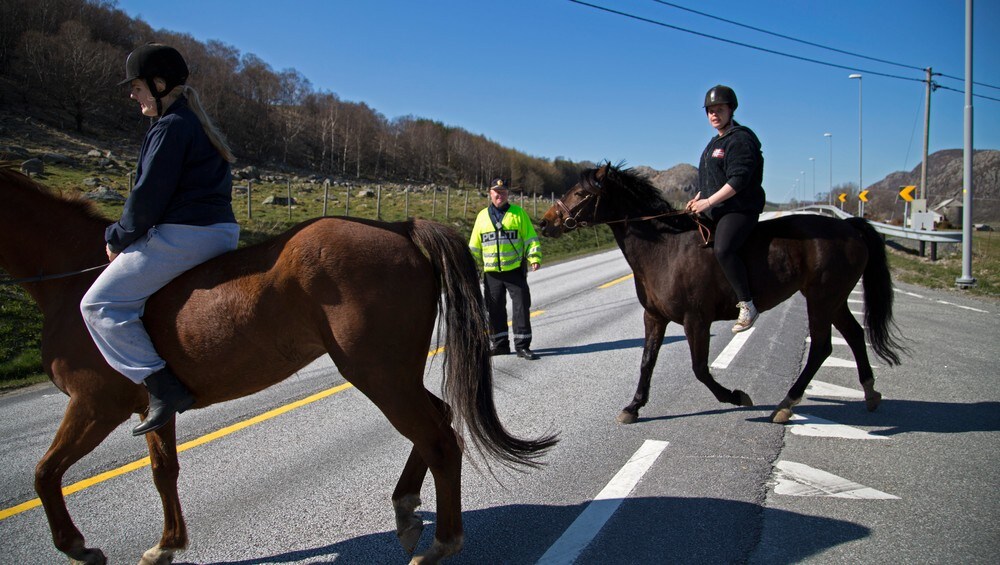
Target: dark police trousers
<point>497,286</point>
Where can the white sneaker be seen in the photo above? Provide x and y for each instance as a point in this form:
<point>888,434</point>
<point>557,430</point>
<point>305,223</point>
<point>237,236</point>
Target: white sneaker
<point>748,315</point>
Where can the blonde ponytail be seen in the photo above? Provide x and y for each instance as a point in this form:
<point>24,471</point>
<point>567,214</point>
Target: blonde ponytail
<point>214,135</point>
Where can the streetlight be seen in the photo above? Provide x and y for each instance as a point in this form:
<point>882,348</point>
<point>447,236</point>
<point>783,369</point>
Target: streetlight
<point>861,186</point>
<point>813,198</point>
<point>830,194</point>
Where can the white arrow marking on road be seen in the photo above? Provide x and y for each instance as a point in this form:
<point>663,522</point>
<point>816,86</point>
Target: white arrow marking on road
<point>587,525</point>
<point>804,425</point>
<point>819,388</point>
<point>796,479</point>
<point>732,348</point>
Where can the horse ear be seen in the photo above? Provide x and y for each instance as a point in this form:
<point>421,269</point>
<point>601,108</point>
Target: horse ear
<point>602,172</point>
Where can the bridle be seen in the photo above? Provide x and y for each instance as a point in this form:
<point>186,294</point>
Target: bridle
<point>594,190</point>
<point>40,278</point>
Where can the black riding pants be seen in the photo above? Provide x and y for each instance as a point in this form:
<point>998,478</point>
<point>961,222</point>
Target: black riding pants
<point>731,232</point>
<point>497,286</point>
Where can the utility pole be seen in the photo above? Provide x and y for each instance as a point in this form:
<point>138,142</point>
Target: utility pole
<point>967,280</point>
<point>927,131</point>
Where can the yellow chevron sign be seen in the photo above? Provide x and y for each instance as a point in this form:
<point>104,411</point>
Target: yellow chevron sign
<point>906,192</point>
<point>863,196</point>
<point>842,197</point>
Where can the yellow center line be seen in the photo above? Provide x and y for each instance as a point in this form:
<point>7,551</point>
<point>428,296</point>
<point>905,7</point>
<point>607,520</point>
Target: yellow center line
<point>144,462</point>
<point>616,281</point>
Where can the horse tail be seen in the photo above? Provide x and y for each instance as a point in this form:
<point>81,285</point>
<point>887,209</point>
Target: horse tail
<point>468,372</point>
<point>877,284</point>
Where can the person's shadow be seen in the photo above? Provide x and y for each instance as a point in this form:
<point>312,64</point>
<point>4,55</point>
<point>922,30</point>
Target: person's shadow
<point>675,530</point>
<point>602,346</point>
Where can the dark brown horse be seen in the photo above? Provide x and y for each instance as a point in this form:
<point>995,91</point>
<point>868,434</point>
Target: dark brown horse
<point>365,292</point>
<point>678,279</point>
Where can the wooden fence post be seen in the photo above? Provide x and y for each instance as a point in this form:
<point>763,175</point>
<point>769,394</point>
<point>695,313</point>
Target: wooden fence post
<point>249,199</point>
<point>326,194</point>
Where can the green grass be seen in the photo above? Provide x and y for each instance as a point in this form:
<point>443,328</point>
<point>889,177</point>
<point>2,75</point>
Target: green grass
<point>907,266</point>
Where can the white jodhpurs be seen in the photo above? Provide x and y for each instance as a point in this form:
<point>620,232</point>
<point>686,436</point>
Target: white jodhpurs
<point>113,307</point>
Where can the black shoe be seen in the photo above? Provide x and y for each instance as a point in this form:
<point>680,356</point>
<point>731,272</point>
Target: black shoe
<point>167,396</point>
<point>503,350</point>
<point>525,353</point>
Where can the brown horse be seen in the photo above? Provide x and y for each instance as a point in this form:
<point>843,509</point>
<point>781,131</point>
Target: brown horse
<point>365,292</point>
<point>678,279</point>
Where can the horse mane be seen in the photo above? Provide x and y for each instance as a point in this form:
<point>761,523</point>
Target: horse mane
<point>635,196</point>
<point>12,177</point>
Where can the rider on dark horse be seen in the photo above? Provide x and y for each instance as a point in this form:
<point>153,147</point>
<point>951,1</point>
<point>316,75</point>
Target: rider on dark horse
<point>730,174</point>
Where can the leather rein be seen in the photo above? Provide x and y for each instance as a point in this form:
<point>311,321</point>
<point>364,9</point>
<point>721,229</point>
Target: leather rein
<point>40,278</point>
<point>594,190</point>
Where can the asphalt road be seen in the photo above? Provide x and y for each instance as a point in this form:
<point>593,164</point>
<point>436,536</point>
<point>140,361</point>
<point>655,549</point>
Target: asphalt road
<point>692,481</point>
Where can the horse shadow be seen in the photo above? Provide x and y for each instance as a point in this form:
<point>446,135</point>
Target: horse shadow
<point>907,416</point>
<point>620,344</point>
<point>667,533</point>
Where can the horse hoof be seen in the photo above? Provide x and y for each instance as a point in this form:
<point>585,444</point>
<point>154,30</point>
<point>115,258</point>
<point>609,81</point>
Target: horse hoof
<point>873,400</point>
<point>781,415</point>
<point>88,556</point>
<point>437,552</point>
<point>627,417</point>
<point>410,535</point>
<point>742,399</point>
<point>157,556</point>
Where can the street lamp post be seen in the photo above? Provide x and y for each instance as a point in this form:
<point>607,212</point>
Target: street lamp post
<point>861,186</point>
<point>813,197</point>
<point>829,195</point>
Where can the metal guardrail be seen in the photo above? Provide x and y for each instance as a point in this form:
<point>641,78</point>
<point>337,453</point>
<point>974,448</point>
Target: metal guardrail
<point>928,236</point>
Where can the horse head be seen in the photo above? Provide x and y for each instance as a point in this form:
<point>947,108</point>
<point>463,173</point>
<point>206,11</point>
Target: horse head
<point>578,206</point>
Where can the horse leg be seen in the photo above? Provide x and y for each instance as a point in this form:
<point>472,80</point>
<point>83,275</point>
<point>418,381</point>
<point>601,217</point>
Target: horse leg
<point>854,335</point>
<point>819,349</point>
<point>697,332</point>
<point>406,496</point>
<point>79,433</point>
<point>655,328</point>
<point>409,409</point>
<point>162,445</point>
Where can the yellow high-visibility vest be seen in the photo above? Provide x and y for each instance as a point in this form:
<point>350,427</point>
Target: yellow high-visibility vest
<point>504,248</point>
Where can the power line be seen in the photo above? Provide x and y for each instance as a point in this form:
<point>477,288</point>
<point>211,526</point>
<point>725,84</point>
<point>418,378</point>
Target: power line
<point>756,48</point>
<point>810,43</point>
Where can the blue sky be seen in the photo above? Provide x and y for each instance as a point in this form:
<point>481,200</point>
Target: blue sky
<point>554,78</point>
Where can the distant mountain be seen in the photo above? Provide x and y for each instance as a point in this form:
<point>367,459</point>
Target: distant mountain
<point>944,181</point>
<point>678,183</point>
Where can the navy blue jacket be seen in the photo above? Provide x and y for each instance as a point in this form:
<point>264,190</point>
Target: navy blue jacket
<point>181,178</point>
<point>733,158</point>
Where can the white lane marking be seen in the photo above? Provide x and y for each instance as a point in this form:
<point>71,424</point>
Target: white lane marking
<point>835,340</point>
<point>837,362</point>
<point>856,291</point>
<point>966,307</point>
<point>908,293</point>
<point>853,301</point>
<point>805,425</point>
<point>587,525</point>
<point>857,313</point>
<point>819,388</point>
<point>732,348</point>
<point>796,479</point>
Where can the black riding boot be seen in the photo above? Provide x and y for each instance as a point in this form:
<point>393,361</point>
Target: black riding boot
<point>167,396</point>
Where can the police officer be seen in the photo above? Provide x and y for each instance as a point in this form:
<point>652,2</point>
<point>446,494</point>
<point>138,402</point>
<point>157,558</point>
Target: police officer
<point>730,176</point>
<point>179,214</point>
<point>504,242</point>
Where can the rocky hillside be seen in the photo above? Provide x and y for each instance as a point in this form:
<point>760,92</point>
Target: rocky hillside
<point>944,181</point>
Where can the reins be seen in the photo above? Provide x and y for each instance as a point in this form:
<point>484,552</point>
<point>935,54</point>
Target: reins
<point>40,278</point>
<point>571,222</point>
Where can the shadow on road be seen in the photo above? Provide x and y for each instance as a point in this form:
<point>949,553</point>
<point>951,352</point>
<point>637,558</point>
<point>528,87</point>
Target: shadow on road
<point>673,530</point>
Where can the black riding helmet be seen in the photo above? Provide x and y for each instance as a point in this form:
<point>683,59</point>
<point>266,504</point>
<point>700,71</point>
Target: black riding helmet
<point>720,94</point>
<point>154,60</point>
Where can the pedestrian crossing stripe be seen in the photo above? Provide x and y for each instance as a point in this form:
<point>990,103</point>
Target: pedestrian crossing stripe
<point>796,479</point>
<point>805,425</point>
